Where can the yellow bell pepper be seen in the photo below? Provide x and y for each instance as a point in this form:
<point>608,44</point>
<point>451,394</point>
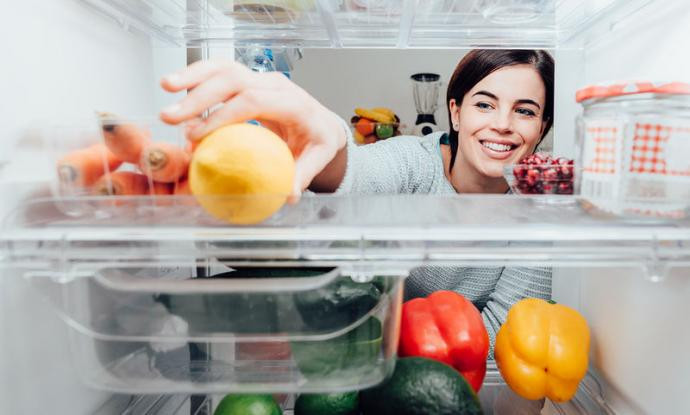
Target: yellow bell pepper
<point>542,350</point>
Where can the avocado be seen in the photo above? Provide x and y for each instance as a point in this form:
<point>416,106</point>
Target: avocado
<point>421,386</point>
<point>328,404</point>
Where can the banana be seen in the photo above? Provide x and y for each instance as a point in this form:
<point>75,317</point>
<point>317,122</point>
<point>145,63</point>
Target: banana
<point>359,138</point>
<point>374,115</point>
<point>387,111</point>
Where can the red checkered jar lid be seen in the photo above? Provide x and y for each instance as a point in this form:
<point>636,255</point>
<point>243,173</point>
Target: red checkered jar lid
<point>623,88</point>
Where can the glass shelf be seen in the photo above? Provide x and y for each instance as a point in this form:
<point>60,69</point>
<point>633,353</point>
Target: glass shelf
<point>495,396</point>
<point>370,235</point>
<point>370,24</point>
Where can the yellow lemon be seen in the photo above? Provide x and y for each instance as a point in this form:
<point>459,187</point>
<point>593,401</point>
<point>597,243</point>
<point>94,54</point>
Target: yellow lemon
<point>242,173</point>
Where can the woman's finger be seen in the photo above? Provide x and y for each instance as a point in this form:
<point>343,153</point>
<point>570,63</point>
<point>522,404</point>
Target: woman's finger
<point>212,91</point>
<point>190,125</point>
<point>247,105</point>
<point>309,164</point>
<point>196,73</point>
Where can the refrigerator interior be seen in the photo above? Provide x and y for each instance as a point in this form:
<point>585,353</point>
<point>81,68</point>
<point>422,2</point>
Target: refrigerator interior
<point>73,57</point>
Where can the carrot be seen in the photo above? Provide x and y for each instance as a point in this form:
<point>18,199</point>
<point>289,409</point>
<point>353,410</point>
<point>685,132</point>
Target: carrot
<point>182,188</point>
<point>164,162</point>
<point>125,140</point>
<point>83,167</point>
<point>184,194</point>
<point>161,191</point>
<point>122,183</point>
<point>159,188</point>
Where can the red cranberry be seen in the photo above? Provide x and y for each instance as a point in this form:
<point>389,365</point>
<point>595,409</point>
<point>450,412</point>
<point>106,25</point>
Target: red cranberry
<point>565,188</point>
<point>551,174</point>
<point>566,172</point>
<point>519,171</point>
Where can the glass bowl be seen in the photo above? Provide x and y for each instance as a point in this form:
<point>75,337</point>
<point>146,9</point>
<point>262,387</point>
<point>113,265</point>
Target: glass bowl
<point>552,178</point>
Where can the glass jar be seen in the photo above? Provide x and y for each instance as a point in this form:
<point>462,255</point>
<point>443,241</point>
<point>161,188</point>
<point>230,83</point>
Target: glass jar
<point>634,149</point>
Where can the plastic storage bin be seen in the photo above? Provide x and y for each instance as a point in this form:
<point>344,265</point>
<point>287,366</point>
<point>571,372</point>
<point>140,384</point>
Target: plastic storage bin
<point>168,329</point>
<point>91,179</point>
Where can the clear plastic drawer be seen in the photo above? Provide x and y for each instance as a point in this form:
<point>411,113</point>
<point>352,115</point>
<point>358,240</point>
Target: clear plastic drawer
<point>158,330</point>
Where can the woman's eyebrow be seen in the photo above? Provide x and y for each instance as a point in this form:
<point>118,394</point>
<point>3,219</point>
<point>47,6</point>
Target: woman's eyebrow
<point>527,101</point>
<point>487,93</point>
<point>519,101</point>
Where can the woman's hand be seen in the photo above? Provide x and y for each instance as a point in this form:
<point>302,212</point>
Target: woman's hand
<point>313,133</point>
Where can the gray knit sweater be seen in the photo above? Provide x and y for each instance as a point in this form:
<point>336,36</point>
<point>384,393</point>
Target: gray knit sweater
<point>410,164</point>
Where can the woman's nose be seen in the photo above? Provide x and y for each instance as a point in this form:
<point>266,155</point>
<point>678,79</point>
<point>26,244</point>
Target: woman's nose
<point>502,121</point>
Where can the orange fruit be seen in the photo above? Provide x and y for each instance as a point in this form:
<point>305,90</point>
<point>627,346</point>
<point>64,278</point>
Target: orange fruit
<point>365,126</point>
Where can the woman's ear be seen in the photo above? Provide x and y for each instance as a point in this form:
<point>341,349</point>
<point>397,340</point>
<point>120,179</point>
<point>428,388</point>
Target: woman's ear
<point>543,127</point>
<point>455,115</point>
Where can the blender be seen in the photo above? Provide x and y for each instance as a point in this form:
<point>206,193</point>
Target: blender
<point>425,88</point>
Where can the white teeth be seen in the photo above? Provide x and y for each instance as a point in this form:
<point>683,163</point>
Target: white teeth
<point>496,146</point>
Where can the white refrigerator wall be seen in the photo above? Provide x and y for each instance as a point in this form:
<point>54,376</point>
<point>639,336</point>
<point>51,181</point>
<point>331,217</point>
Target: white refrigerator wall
<point>61,62</point>
<point>640,334</point>
<point>65,62</point>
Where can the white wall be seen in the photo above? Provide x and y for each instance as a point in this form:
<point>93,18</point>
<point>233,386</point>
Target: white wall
<point>60,62</point>
<point>343,79</point>
<point>640,330</point>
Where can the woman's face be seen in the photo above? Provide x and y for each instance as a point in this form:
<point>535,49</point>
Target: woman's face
<point>500,119</point>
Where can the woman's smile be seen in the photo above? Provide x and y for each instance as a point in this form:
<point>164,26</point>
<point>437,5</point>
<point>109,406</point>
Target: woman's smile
<point>498,149</point>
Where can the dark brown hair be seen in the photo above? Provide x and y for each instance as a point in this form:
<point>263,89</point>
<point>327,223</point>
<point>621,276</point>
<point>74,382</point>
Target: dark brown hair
<point>479,63</point>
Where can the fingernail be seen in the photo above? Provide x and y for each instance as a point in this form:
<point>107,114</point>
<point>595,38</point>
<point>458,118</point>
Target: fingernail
<point>173,79</point>
<point>172,110</point>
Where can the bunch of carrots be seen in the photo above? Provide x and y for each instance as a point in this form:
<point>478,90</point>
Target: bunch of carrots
<point>163,166</point>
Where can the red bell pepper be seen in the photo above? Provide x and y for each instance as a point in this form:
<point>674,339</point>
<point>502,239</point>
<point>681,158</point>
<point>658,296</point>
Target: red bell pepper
<point>447,327</point>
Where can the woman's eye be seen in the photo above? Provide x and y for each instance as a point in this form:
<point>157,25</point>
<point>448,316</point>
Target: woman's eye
<point>525,111</point>
<point>483,105</point>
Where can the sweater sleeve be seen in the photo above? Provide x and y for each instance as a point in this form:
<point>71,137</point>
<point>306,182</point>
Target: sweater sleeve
<point>396,165</point>
<point>514,284</point>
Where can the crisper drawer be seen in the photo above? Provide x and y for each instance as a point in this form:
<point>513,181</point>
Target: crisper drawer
<point>156,330</point>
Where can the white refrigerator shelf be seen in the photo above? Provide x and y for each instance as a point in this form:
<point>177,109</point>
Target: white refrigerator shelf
<point>382,24</point>
<point>362,235</point>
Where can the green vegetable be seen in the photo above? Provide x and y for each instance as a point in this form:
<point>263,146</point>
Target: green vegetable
<point>241,312</point>
<point>384,131</point>
<point>338,304</point>
<point>353,353</point>
<point>248,405</point>
<point>421,386</point>
<point>328,404</point>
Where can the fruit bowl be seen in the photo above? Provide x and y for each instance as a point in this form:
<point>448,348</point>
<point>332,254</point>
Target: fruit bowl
<point>538,174</point>
<point>367,131</point>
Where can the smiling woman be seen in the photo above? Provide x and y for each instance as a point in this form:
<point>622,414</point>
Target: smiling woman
<point>500,106</point>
